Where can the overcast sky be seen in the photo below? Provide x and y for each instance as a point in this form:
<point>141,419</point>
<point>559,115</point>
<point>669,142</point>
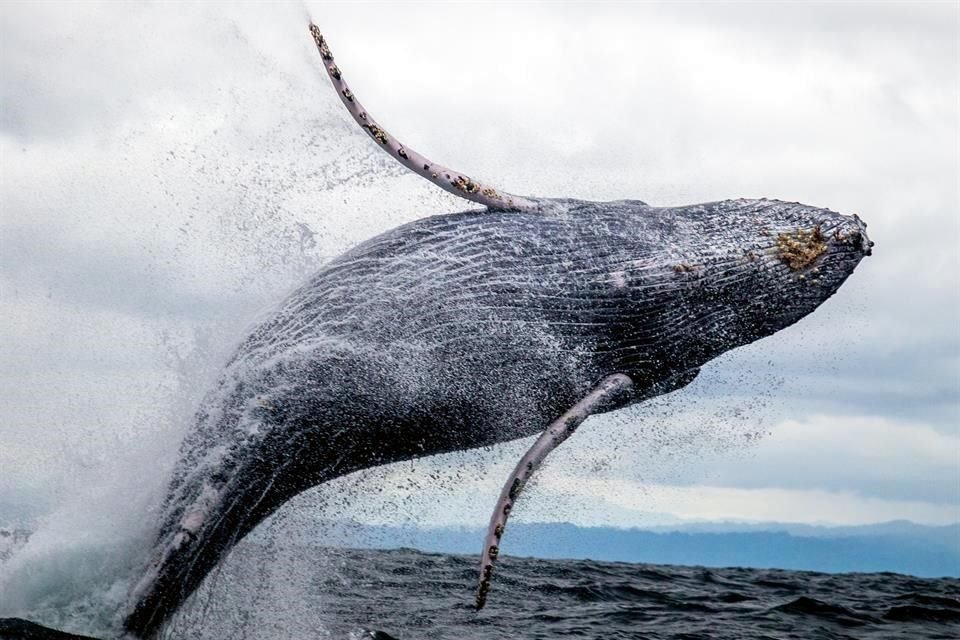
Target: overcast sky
<point>169,172</point>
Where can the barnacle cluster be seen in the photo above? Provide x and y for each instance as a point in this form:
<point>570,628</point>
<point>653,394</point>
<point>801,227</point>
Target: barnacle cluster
<point>801,248</point>
<point>466,184</point>
<point>320,42</point>
<point>378,134</point>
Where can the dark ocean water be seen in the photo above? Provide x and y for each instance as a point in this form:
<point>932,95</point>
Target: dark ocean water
<point>408,595</point>
<point>274,592</point>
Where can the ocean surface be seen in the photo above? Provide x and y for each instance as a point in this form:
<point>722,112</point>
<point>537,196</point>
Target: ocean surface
<point>406,594</point>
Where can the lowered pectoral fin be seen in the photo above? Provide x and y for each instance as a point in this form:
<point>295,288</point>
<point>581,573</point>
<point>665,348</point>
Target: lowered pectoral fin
<point>610,389</point>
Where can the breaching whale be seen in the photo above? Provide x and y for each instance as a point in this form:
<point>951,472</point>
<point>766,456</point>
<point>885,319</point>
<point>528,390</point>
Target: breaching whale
<point>474,328</point>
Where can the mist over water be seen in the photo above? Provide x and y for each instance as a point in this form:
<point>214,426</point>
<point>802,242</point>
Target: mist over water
<point>212,212</point>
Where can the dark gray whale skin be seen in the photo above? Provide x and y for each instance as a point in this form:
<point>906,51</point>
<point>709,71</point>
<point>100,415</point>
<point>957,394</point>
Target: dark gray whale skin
<point>464,330</point>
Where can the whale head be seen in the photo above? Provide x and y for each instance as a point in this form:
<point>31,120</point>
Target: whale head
<point>732,272</point>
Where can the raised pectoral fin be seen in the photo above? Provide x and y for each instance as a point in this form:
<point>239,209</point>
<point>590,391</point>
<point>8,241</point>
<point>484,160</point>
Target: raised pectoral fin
<point>455,182</point>
<point>610,390</point>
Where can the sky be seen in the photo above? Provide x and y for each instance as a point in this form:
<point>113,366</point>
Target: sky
<point>170,172</point>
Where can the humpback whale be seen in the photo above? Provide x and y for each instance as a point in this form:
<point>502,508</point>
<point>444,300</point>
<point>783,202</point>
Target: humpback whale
<point>473,328</point>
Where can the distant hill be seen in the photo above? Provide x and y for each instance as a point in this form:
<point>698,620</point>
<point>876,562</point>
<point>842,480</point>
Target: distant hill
<point>900,547</point>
